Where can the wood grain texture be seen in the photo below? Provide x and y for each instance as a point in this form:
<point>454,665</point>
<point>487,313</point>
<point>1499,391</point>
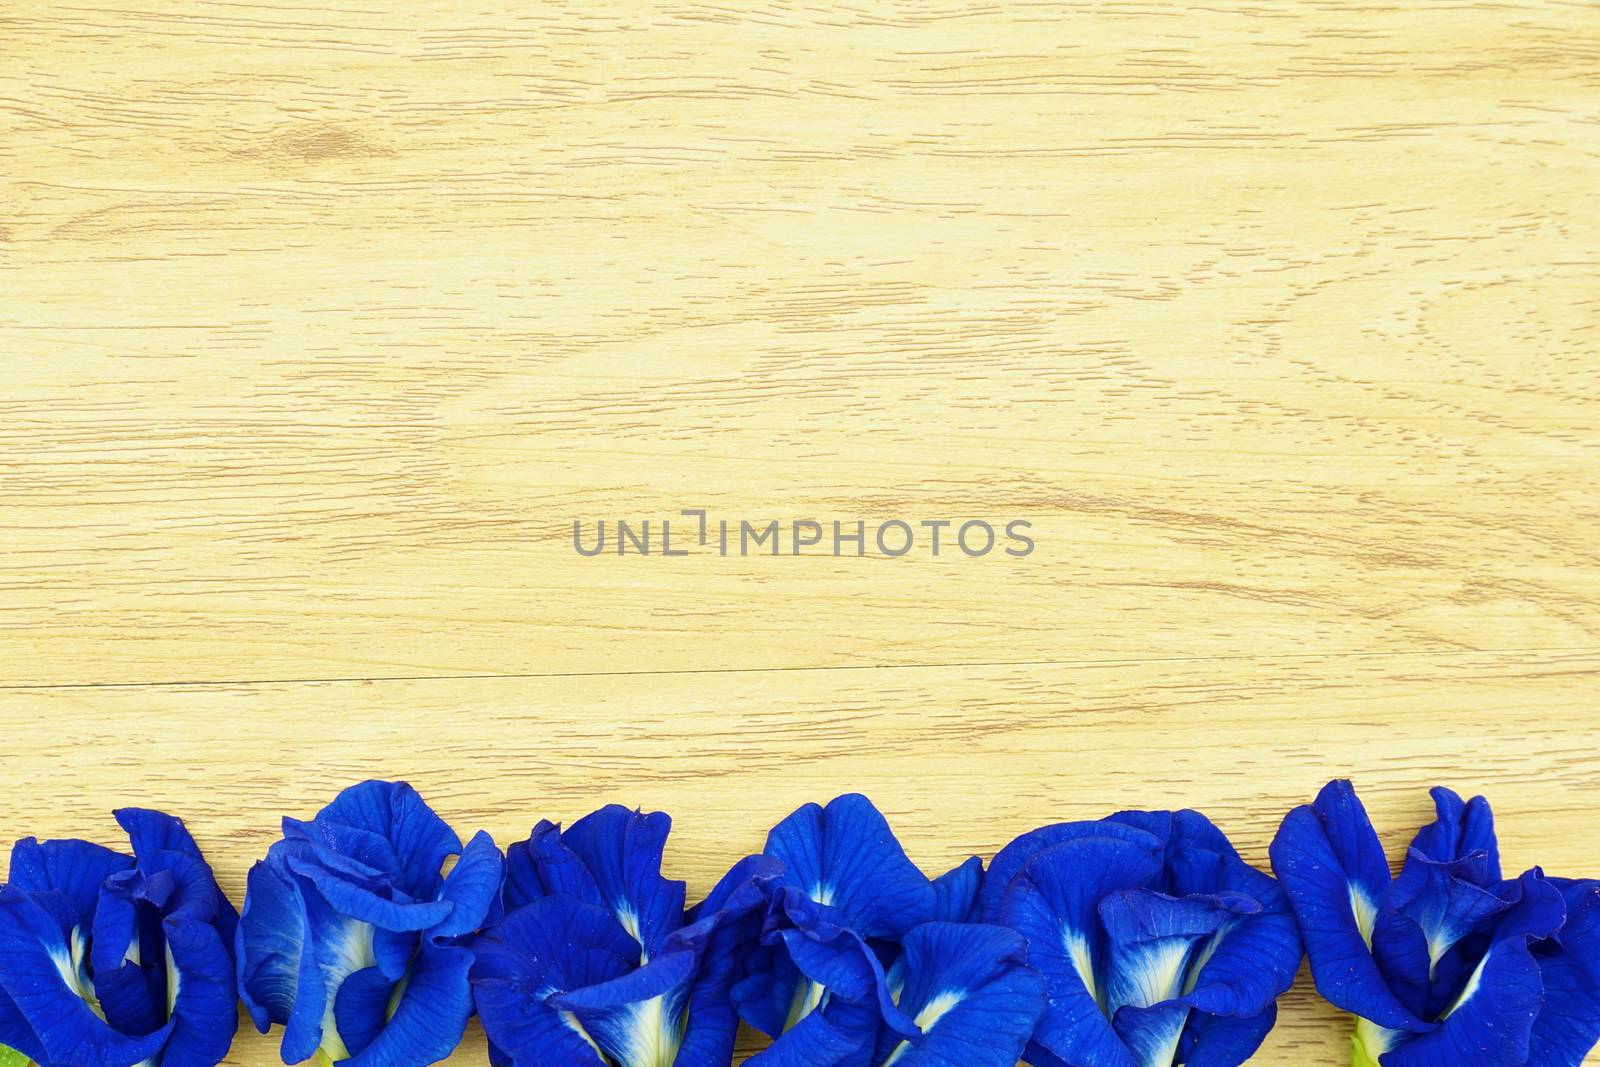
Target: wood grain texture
<point>319,326</point>
<point>323,324</point>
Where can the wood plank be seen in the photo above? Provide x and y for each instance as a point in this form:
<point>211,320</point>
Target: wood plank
<point>322,324</point>
<point>319,326</point>
<point>960,759</point>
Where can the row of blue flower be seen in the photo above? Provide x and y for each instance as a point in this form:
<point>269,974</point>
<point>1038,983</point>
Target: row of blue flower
<point>1140,940</point>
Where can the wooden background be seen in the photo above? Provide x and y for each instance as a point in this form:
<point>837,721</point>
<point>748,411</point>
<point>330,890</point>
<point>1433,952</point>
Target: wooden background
<point>320,324</point>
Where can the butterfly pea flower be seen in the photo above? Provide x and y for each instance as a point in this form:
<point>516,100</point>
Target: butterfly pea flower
<point>596,961</point>
<point>352,937</point>
<point>110,960</point>
<point>963,991</point>
<point>864,960</point>
<point>1448,963</point>
<point>1158,943</point>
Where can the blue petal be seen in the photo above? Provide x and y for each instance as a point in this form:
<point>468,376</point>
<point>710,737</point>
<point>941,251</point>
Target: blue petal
<point>161,842</point>
<point>472,887</point>
<point>622,849</point>
<point>970,993</point>
<point>422,841</point>
<point>1569,1024</point>
<point>1535,910</point>
<point>956,893</point>
<point>1158,824</point>
<point>765,997</point>
<point>270,944</point>
<point>1053,903</point>
<point>1444,905</point>
<point>361,1008</point>
<point>834,958</point>
<point>542,866</point>
<point>1432,907</point>
<point>547,947</point>
<point>293,952</point>
<point>435,1002</point>
<point>1430,943</point>
<point>742,889</point>
<point>73,869</point>
<point>525,1031</point>
<point>1224,1041</point>
<point>340,945</point>
<point>1460,830</point>
<point>153,832</point>
<point>711,1028</point>
<point>1328,860</point>
<point>127,957</point>
<point>1036,1055</point>
<point>725,927</point>
<point>638,1017</point>
<point>1249,963</point>
<point>367,858</point>
<point>393,950</point>
<point>1152,939</point>
<point>1201,859</point>
<point>845,856</point>
<point>566,944</point>
<point>1197,857</point>
<point>1472,1016</point>
<point>1019,853</point>
<point>36,958</point>
<point>1353,841</point>
<point>842,964</point>
<point>1538,908</point>
<point>555,944</point>
<point>205,1011</point>
<point>362,904</point>
<point>195,896</point>
<point>1407,967</point>
<point>15,1033</point>
<point>1152,1034</point>
<point>1491,1023</point>
<point>835,1037</point>
<point>666,975</point>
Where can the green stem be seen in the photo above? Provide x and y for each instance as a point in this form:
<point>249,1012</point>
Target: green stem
<point>10,1057</point>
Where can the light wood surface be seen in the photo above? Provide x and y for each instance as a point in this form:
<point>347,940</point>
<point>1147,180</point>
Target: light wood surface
<point>319,326</point>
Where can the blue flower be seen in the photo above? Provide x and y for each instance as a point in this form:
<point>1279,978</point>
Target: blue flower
<point>108,960</point>
<point>1158,943</point>
<point>864,961</point>
<point>596,961</point>
<point>1448,963</point>
<point>352,938</point>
